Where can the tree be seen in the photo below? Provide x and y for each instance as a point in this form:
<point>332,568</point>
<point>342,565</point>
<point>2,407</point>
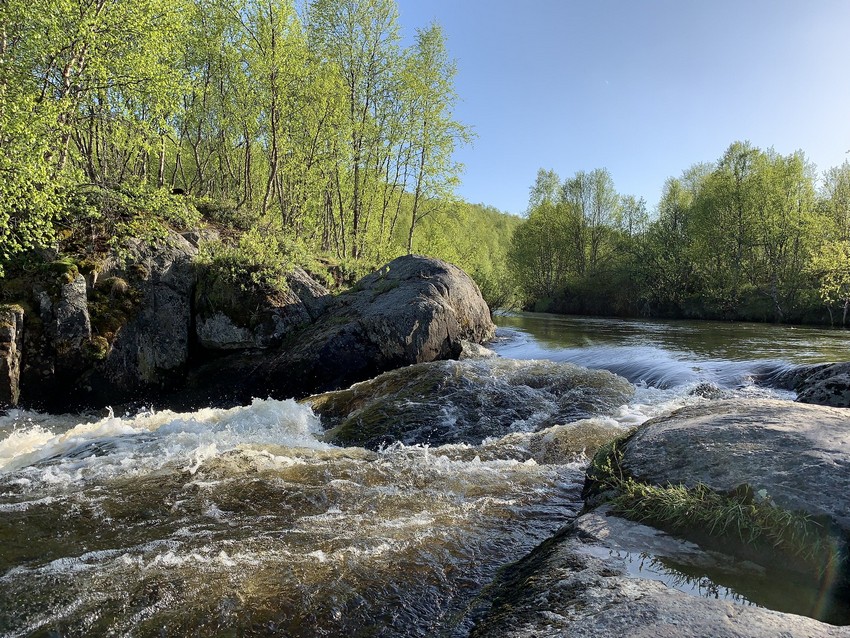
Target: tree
<point>430,76</point>
<point>593,206</point>
<point>360,39</point>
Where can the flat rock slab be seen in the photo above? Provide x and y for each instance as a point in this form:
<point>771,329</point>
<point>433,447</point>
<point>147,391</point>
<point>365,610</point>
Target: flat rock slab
<point>579,585</point>
<point>799,454</point>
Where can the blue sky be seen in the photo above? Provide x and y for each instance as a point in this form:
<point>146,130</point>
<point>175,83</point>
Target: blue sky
<point>644,88</point>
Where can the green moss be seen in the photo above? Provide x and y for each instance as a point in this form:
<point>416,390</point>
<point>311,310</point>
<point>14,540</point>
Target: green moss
<point>11,307</point>
<point>63,271</point>
<point>376,409</point>
<point>112,303</point>
<point>385,285</point>
<point>97,348</point>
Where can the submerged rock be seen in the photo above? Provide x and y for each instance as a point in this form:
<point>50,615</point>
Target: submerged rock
<point>467,401</point>
<point>799,455</point>
<point>604,576</point>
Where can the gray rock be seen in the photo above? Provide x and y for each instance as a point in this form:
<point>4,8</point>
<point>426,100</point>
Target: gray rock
<point>313,295</point>
<point>71,322</point>
<point>414,309</point>
<point>200,236</point>
<point>825,385</point>
<point>155,342</point>
<point>232,318</point>
<point>469,350</point>
<point>799,454</point>
<point>593,581</point>
<point>11,345</point>
<point>218,332</point>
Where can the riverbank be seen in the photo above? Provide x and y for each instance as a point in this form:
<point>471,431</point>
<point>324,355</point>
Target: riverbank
<point>155,328</point>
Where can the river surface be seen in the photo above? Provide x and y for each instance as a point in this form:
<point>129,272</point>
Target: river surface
<point>250,522</point>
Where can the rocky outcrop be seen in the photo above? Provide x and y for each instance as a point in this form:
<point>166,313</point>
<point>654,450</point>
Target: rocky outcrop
<point>467,401</point>
<point>414,309</point>
<point>70,316</point>
<point>153,344</point>
<point>143,321</point>
<point>604,576</point>
<point>230,316</point>
<point>798,454</point>
<point>825,385</point>
<point>11,344</point>
<point>314,297</point>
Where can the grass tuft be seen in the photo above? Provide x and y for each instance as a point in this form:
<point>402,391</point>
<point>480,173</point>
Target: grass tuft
<point>742,517</point>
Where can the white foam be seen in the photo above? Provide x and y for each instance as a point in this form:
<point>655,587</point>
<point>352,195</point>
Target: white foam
<point>119,445</point>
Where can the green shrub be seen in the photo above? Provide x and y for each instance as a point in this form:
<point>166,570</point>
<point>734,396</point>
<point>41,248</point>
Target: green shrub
<point>224,212</point>
<point>96,219</point>
<point>257,262</point>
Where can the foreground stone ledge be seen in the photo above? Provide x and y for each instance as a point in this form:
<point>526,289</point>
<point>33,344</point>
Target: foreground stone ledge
<point>578,585</point>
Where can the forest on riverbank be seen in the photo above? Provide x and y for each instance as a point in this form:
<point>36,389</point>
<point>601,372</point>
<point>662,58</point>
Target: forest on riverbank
<point>311,135</point>
<point>755,236</point>
<point>304,135</point>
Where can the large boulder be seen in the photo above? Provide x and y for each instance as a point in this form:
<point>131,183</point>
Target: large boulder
<point>231,316</point>
<point>414,309</point>
<point>605,576</point>
<point>153,345</point>
<point>70,316</point>
<point>11,343</point>
<point>799,455</point>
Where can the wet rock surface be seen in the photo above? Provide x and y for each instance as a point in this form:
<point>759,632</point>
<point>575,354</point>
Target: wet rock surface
<point>592,580</point>
<point>798,454</point>
<point>825,385</point>
<point>467,401</point>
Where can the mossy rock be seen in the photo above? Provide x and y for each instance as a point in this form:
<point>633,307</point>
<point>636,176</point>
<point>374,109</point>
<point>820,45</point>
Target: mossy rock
<point>97,349</point>
<point>63,271</point>
<point>112,304</point>
<point>466,401</point>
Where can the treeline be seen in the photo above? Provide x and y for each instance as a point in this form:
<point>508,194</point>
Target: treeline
<point>311,126</point>
<point>755,235</point>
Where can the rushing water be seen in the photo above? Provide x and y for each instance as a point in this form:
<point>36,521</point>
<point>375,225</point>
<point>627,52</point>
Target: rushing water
<point>249,521</point>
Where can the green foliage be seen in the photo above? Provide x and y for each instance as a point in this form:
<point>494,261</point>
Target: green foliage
<point>257,262</point>
<point>95,220</point>
<point>743,238</point>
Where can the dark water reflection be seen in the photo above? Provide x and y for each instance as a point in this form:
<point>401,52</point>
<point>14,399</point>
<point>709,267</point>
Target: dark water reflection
<point>700,339</point>
<point>667,354</point>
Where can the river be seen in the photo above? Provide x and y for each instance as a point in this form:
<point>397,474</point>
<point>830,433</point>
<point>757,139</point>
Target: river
<point>249,522</point>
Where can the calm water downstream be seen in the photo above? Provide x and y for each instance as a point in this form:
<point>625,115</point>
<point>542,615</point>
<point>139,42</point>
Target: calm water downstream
<point>248,522</point>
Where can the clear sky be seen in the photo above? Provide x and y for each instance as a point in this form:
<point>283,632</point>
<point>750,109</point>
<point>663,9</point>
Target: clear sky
<point>644,88</point>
